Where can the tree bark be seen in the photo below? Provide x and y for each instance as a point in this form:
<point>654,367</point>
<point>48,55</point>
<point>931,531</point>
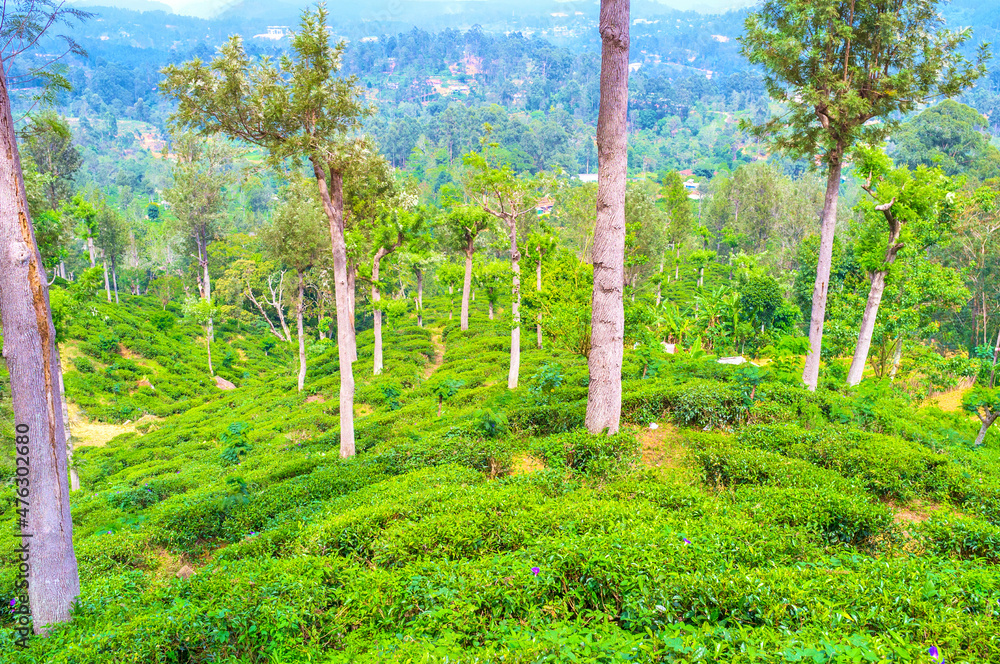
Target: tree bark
<point>659,285</point>
<point>114,279</point>
<point>875,292</point>
<point>74,475</point>
<point>91,251</point>
<point>491,309</point>
<point>352,292</point>
<point>897,357</point>
<point>467,285</point>
<point>107,283</point>
<point>333,204</point>
<point>299,310</point>
<point>32,361</point>
<point>206,280</point>
<point>278,306</point>
<point>987,422</point>
<point>515,307</point>
<point>420,298</point>
<point>376,311</point>
<point>604,396</point>
<point>810,376</point>
<point>538,288</point>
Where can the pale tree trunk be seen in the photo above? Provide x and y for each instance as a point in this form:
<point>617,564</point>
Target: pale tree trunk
<point>897,357</point>
<point>515,307</point>
<point>875,294</point>
<point>32,361</point>
<point>333,205</point>
<point>74,476</point>
<point>810,376</point>
<point>300,307</point>
<point>538,288</point>
<point>352,278</point>
<point>420,298</point>
<point>91,251</point>
<point>867,328</point>
<point>677,265</point>
<point>467,285</point>
<point>114,279</point>
<point>987,422</point>
<point>491,309</point>
<point>604,395</point>
<point>208,349</point>
<point>376,311</point>
<point>260,307</point>
<point>659,285</point>
<point>107,282</point>
<point>278,306</point>
<point>206,280</point>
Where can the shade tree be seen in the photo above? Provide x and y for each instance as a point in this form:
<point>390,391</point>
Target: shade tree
<point>295,107</point>
<point>835,65</point>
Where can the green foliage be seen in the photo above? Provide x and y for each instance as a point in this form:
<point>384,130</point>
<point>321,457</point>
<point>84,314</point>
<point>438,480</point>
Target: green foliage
<point>236,441</point>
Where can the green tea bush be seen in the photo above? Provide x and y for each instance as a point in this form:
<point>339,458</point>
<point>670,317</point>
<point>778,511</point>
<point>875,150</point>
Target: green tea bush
<point>586,452</point>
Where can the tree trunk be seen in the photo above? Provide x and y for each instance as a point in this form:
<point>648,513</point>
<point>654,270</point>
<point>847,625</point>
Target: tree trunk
<point>420,298</point>
<point>515,307</point>
<point>107,283</point>
<point>538,288</point>
<point>207,280</point>
<point>352,279</point>
<point>376,311</point>
<point>867,328</point>
<point>208,349</point>
<point>74,475</point>
<point>114,279</point>
<point>987,423</point>
<point>604,396</point>
<point>659,285</point>
<point>300,307</point>
<point>333,205</point>
<point>491,309</point>
<point>897,357</point>
<point>810,376</point>
<point>32,361</point>
<point>91,251</point>
<point>467,285</point>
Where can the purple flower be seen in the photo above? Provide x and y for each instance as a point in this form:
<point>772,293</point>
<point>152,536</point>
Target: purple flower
<point>687,541</point>
<point>937,658</point>
<point>535,571</point>
<point>13,601</point>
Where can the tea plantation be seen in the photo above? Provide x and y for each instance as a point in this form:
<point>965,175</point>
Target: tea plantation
<point>755,522</point>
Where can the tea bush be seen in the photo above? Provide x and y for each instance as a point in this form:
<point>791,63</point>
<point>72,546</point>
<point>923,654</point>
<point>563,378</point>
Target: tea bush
<point>756,524</point>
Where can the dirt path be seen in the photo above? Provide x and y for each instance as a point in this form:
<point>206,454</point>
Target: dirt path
<point>97,434</point>
<point>438,359</point>
<point>663,449</point>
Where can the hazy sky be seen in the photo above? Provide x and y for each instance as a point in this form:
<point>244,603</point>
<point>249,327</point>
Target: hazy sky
<point>210,7</point>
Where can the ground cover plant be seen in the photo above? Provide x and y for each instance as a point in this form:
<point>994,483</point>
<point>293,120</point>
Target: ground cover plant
<point>736,530</point>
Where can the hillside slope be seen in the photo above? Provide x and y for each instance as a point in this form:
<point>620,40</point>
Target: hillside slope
<point>757,523</point>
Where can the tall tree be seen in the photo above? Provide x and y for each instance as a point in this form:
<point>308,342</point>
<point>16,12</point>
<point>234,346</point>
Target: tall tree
<point>198,197</point>
<point>836,65</point>
<point>916,210</point>
<point>462,226</point>
<point>49,141</point>
<point>395,227</point>
<point>607,335</point>
<point>509,198</point>
<point>295,107</point>
<point>299,239</point>
<point>29,339</point>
